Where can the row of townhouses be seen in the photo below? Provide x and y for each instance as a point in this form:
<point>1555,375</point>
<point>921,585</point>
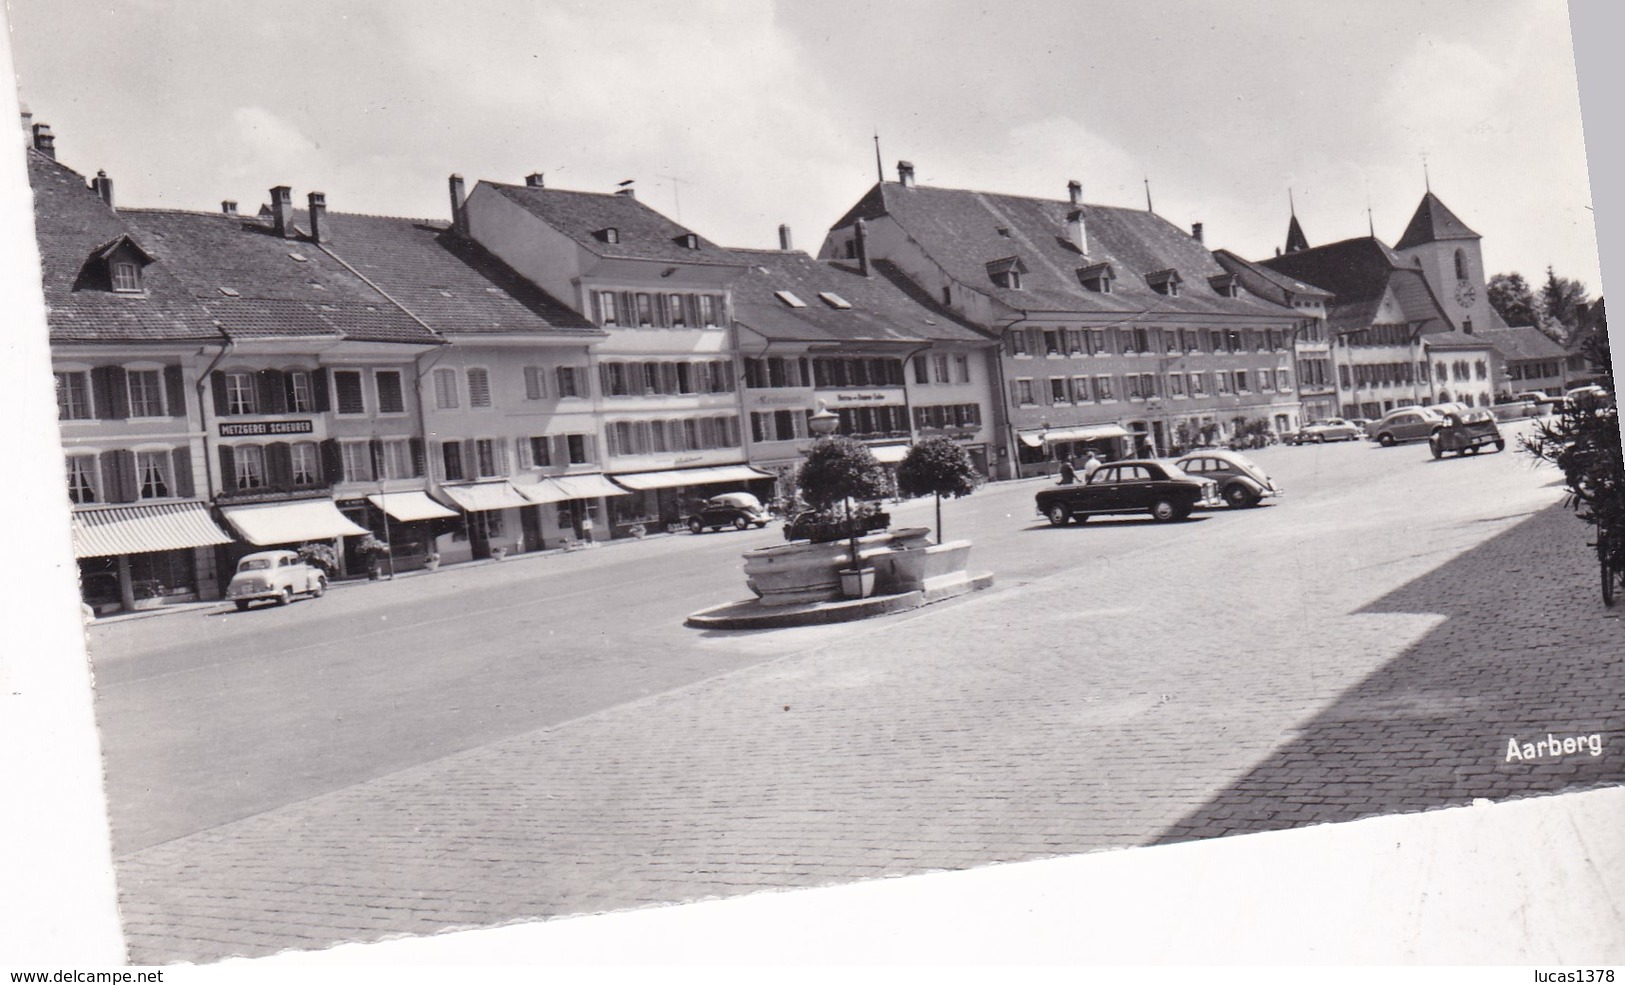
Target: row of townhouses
<point>546,368</point>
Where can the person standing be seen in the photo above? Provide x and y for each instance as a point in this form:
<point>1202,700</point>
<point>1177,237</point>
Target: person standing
<point>1090,464</point>
<point>1069,475</point>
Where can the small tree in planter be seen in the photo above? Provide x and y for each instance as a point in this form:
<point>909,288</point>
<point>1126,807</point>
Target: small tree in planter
<point>321,556</point>
<point>372,552</point>
<point>936,466</point>
<point>837,472</point>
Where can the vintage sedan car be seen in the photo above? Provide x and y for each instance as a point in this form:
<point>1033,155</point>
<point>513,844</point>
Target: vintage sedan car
<point>1151,486</point>
<point>275,575</point>
<point>739,510</point>
<point>1405,424</point>
<point>1241,482</point>
<point>1331,429</point>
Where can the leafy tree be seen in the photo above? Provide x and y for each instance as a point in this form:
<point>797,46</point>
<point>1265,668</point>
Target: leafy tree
<point>1560,299</point>
<point>837,471</point>
<point>1584,442</point>
<point>1510,296</point>
<point>939,467</point>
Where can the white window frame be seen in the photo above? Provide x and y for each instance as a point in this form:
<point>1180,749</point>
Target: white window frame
<point>398,463</point>
<point>90,474</point>
<point>1025,397</point>
<point>126,277</point>
<point>157,460</point>
<point>304,394</point>
<point>241,401</point>
<point>446,396</point>
<point>300,473</point>
<point>242,456</point>
<point>156,391</point>
<point>1104,391</point>
<point>86,401</point>
<point>361,468</point>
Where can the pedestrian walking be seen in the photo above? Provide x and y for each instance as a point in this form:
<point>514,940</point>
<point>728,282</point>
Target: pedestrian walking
<point>1069,475</point>
<point>1090,464</point>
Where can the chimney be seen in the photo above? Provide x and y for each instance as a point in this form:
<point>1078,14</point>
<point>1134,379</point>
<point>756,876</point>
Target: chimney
<point>533,180</point>
<point>319,229</point>
<point>863,247</point>
<point>784,238</point>
<point>1074,192</point>
<point>905,174</point>
<point>1075,233</point>
<point>228,207</point>
<point>44,140</point>
<point>459,216</point>
<point>1196,232</point>
<point>103,186</point>
<point>282,211</point>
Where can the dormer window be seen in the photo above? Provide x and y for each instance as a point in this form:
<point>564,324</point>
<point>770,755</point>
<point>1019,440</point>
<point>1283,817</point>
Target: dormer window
<point>1164,282</point>
<point>1097,278</point>
<point>1006,272</point>
<point>126,277</point>
<point>688,241</point>
<point>1226,285</point>
<point>610,234</point>
<point>790,299</point>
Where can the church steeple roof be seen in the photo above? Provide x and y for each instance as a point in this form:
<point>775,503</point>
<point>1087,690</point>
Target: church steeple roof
<point>1432,223</point>
<point>1296,241</point>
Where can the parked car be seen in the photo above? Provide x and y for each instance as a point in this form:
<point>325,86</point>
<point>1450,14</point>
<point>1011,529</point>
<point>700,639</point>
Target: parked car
<point>1331,429</point>
<point>1241,482</point>
<point>1405,424</point>
<point>739,510</point>
<point>1465,433</point>
<point>277,575</point>
<point>1134,486</point>
<point>1590,393</point>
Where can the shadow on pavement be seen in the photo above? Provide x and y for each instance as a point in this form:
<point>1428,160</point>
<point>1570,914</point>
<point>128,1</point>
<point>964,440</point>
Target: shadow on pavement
<point>1526,652</point>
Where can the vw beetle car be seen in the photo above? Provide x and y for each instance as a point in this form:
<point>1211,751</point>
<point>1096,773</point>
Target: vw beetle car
<point>276,575</point>
<point>737,509</point>
<point>1133,486</point>
<point>1405,424</point>
<point>1241,482</point>
<point>1331,429</point>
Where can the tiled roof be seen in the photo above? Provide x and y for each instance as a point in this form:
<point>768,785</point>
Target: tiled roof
<point>1432,223</point>
<point>72,224</point>
<point>641,232</point>
<point>1268,283</point>
<point>1523,342</point>
<point>259,284</point>
<point>886,307</point>
<point>451,283</point>
<point>1455,340</point>
<point>1353,269</point>
<point>965,230</point>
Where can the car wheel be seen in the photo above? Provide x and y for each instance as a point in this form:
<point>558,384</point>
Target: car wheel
<point>1386,440</point>
<point>741,523</point>
<point>1500,444</point>
<point>1473,450</point>
<point>695,526</point>
<point>1058,516</point>
<point>760,524</point>
<point>1240,497</point>
<point>1435,447</point>
<point>1164,510</point>
<point>286,596</point>
<point>1320,439</point>
<point>242,605</point>
<point>320,589</point>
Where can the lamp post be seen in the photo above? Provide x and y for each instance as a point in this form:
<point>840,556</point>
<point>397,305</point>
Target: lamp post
<point>1153,407</point>
<point>823,421</point>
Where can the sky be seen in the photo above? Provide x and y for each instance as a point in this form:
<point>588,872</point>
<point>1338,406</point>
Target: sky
<point>735,116</point>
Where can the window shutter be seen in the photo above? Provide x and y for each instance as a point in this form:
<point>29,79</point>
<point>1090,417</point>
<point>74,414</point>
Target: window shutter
<point>604,379</point>
<point>471,459</point>
<point>217,382</point>
<point>561,445</point>
<point>590,445</point>
<point>279,465</point>
<point>628,309</point>
<point>181,473</point>
<point>319,384</point>
<point>522,450</point>
<point>533,383</point>
<point>416,446</point>
<point>376,447</point>
<point>112,482</point>
<point>269,386</point>
<point>175,391</point>
<point>437,462</point>
<point>332,458</point>
<point>112,393</point>
<point>129,477</point>
<point>662,315</point>
<point>228,468</point>
<point>499,448</point>
<point>692,303</point>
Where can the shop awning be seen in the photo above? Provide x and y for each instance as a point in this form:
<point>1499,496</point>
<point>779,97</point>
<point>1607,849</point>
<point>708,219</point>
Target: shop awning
<point>409,506</point>
<point>287,523</point>
<point>1087,432</point>
<point>557,489</point>
<point>889,454</point>
<point>691,477</point>
<point>140,529</point>
<point>485,496</point>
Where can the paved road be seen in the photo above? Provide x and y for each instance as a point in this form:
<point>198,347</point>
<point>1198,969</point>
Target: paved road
<point>1368,645</point>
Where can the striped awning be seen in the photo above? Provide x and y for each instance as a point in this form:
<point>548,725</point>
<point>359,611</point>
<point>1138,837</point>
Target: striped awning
<point>289,523</point>
<point>558,488</point>
<point>483,496</point>
<point>409,506</point>
<point>690,477</point>
<point>141,529</point>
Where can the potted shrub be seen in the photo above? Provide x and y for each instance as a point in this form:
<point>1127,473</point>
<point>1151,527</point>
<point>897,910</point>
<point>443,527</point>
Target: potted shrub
<point>319,555</point>
<point>838,474</point>
<point>372,553</point>
<point>936,466</point>
<point>431,561</point>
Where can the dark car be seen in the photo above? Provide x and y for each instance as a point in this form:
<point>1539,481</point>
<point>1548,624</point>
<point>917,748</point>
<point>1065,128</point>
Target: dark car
<point>1241,482</point>
<point>736,509</point>
<point>1133,486</point>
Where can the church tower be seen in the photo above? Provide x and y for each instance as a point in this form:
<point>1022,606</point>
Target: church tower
<point>1451,259</point>
<point>1296,241</point>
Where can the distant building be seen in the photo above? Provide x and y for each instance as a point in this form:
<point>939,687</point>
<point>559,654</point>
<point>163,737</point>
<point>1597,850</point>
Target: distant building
<point>1117,329</point>
<point>1530,360</point>
<point>1311,345</point>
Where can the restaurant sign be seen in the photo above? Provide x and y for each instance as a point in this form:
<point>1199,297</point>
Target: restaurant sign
<point>862,398</point>
<point>243,429</point>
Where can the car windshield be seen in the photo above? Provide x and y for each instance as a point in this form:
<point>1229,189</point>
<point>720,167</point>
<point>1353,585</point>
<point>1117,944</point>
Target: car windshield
<point>255,564</point>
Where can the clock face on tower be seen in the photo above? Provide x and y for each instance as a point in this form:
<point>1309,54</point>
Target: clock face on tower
<point>1465,294</point>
